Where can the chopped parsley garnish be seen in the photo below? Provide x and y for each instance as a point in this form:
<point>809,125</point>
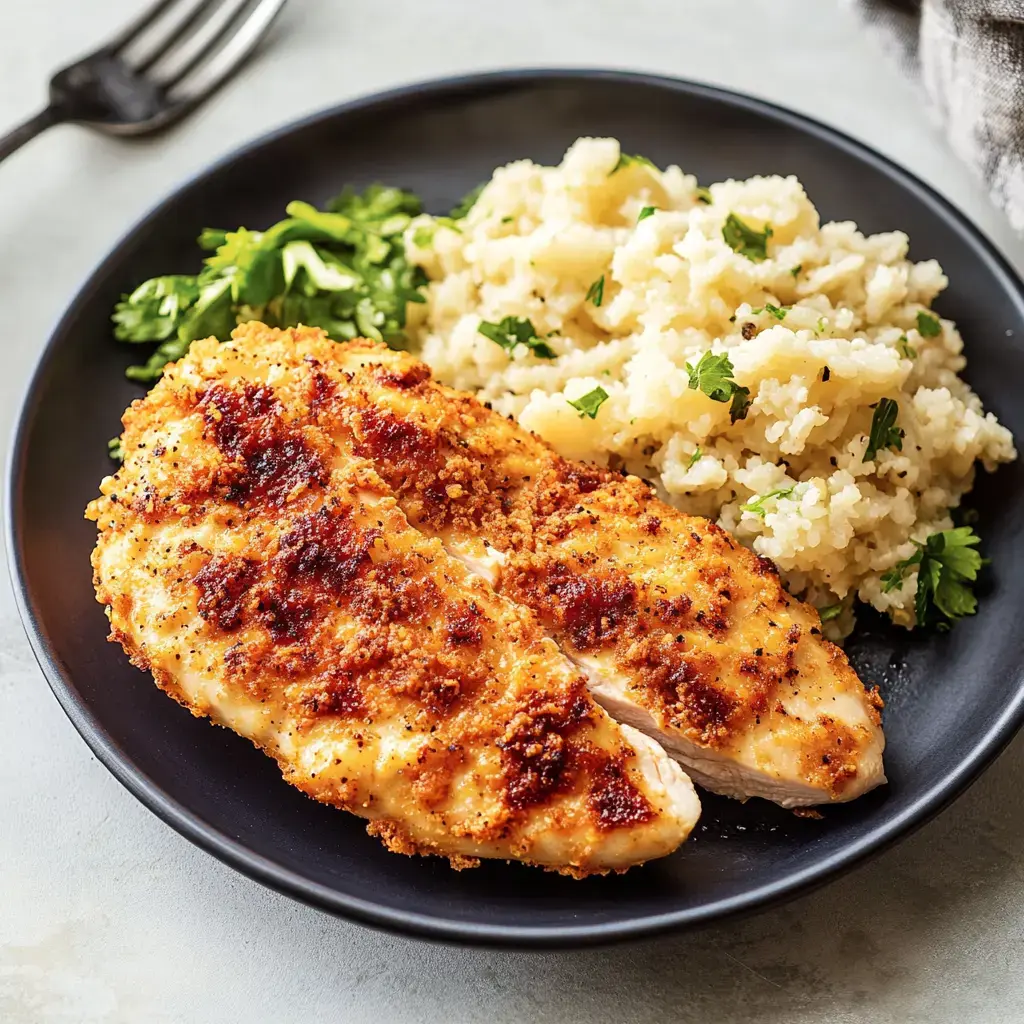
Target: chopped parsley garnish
<point>695,457</point>
<point>516,330</point>
<point>589,403</point>
<point>742,238</point>
<point>114,449</point>
<point>343,269</point>
<point>756,505</point>
<point>713,376</point>
<point>947,564</point>
<point>928,326</point>
<point>796,270</point>
<point>779,312</point>
<point>884,432</point>
<point>703,195</point>
<point>905,349</point>
<point>647,211</point>
<point>595,293</point>
<point>625,160</point>
<point>830,612</point>
<point>467,202</point>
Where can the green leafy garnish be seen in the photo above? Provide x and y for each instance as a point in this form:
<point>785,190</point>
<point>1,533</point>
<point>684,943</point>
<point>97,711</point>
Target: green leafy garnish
<point>625,160</point>
<point>713,376</point>
<point>830,612</point>
<point>703,195</point>
<point>343,269</point>
<point>695,457</point>
<point>947,564</point>
<point>589,403</point>
<point>756,505</point>
<point>884,432</point>
<point>905,349</point>
<point>742,238</point>
<point>647,211</point>
<point>114,449</point>
<point>516,330</point>
<point>820,325</point>
<point>779,312</point>
<point>595,293</point>
<point>467,202</point>
<point>796,270</point>
<point>928,326</point>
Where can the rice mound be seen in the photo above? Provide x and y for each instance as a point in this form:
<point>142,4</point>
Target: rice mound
<point>539,237</point>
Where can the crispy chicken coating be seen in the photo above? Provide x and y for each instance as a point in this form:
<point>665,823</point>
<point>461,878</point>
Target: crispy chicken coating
<point>257,564</point>
<point>679,630</point>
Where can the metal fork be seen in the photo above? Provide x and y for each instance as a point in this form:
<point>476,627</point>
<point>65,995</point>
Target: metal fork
<point>156,70</point>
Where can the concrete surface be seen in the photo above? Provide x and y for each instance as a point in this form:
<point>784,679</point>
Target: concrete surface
<point>106,915</point>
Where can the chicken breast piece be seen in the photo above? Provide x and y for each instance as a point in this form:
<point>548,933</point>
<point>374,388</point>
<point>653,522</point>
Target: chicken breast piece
<point>268,578</point>
<point>680,630</point>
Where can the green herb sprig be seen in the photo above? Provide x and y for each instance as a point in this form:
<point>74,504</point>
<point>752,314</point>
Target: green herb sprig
<point>742,238</point>
<point>756,505</point>
<point>516,330</point>
<point>884,432</point>
<point>588,404</point>
<point>947,565</point>
<point>713,374</point>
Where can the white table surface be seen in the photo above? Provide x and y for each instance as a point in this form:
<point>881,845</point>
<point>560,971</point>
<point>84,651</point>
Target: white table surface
<point>107,915</point>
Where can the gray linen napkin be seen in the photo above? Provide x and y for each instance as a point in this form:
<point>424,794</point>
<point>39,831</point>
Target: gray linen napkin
<point>969,56</point>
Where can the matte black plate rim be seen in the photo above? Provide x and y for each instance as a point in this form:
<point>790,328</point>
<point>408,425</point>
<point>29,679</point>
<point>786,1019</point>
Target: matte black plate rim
<point>222,846</point>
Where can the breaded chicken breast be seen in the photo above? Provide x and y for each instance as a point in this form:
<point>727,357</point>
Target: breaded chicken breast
<point>267,576</point>
<point>679,630</point>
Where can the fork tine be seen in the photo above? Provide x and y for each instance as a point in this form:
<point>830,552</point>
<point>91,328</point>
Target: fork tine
<point>180,33</point>
<point>134,29</point>
<point>225,51</point>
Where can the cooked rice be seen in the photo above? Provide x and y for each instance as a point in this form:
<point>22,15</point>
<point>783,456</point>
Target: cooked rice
<point>538,237</point>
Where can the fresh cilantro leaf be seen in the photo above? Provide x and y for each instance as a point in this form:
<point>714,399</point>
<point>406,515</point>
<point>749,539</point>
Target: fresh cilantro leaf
<point>742,238</point>
<point>703,195</point>
<point>713,376</point>
<point>947,563</point>
<point>589,403</point>
<point>796,270</point>
<point>647,211</point>
<point>756,505</point>
<point>905,349</point>
<point>516,330</point>
<point>830,612</point>
<point>595,293</point>
<point>928,326</point>
<point>695,457</point>
<point>467,202</point>
<point>114,449</point>
<point>884,432</point>
<point>625,160</point>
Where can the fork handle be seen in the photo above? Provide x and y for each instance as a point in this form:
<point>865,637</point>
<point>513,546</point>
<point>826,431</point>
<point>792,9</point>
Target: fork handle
<point>17,137</point>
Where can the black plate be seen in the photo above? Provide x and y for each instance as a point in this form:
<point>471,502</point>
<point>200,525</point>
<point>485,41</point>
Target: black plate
<point>953,700</point>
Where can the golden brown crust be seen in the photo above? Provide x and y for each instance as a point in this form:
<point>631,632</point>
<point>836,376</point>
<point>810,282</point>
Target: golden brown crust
<point>713,645</point>
<point>266,575</point>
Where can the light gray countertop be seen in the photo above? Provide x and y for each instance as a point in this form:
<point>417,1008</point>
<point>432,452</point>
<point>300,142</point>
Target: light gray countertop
<point>107,915</point>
